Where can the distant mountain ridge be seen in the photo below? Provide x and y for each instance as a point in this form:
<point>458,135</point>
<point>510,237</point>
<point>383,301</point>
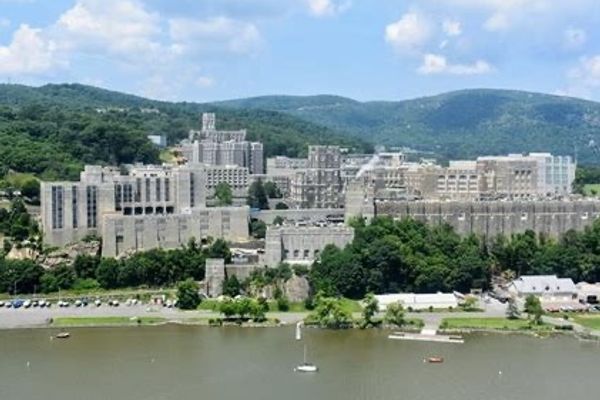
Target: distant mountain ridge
<point>53,130</point>
<point>460,124</point>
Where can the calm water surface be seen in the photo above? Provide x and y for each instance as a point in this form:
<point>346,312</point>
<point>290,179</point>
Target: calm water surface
<point>179,362</point>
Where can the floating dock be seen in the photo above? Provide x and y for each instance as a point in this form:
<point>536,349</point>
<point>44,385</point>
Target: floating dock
<point>426,337</point>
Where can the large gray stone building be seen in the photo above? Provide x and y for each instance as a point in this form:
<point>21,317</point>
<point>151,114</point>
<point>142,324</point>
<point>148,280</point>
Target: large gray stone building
<point>149,206</point>
<point>214,147</point>
<point>320,184</point>
<point>302,244</point>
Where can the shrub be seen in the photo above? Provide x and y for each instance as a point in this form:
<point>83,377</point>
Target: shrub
<point>283,304</point>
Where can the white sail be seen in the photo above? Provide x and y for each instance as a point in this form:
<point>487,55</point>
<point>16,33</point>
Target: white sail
<point>299,331</point>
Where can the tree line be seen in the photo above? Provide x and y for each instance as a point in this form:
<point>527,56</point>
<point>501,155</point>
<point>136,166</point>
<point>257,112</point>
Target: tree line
<point>152,268</point>
<point>388,256</point>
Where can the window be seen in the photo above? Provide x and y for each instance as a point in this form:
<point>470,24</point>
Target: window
<point>167,189</point>
<point>147,184</point>
<point>158,191</point>
<point>92,206</point>
<point>57,207</point>
<point>118,196</point>
<point>74,207</point>
<point>138,190</point>
<point>192,190</point>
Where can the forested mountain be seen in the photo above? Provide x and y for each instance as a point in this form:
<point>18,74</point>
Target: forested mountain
<point>54,129</point>
<point>458,124</point>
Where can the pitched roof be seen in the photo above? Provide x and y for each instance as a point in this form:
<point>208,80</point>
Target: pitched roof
<point>549,284</point>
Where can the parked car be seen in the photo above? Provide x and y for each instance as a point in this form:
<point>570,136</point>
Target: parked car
<point>17,303</point>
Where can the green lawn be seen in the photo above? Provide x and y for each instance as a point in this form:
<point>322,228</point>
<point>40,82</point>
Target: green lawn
<point>98,321</point>
<point>587,189</point>
<point>587,320</point>
<point>491,323</point>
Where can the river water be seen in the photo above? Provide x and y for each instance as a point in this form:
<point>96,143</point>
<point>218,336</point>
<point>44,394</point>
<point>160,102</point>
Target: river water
<point>185,362</point>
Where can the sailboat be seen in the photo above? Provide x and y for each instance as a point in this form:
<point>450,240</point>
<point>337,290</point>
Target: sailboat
<point>305,366</point>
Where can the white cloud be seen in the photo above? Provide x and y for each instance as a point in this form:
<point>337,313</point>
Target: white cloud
<point>452,27</point>
<point>122,27</point>
<point>409,33</point>
<point>323,8</point>
<point>214,34</point>
<point>438,64</point>
<point>574,38</point>
<point>28,53</point>
<point>4,22</point>
<point>587,73</point>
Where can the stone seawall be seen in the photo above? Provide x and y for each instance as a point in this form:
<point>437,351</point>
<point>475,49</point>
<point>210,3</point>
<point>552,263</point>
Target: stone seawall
<point>497,217</point>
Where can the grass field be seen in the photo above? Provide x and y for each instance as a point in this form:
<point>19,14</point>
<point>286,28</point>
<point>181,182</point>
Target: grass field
<point>587,189</point>
<point>491,323</point>
<point>589,321</point>
<point>109,321</point>
<point>350,306</point>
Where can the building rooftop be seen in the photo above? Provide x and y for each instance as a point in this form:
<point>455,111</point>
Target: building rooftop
<point>534,284</point>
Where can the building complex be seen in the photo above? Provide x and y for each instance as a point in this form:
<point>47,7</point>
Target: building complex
<point>138,207</point>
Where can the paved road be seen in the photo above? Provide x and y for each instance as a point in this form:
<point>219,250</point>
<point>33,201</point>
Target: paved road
<point>38,317</point>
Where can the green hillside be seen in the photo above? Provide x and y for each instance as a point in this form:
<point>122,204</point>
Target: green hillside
<point>458,124</point>
<point>54,129</point>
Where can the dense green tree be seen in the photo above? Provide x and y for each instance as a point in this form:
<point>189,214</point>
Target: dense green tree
<point>85,266</point>
<point>16,222</point>
<point>107,273</point>
<point>329,313</point>
<point>65,276</point>
<point>533,308</point>
<point>220,249</point>
<point>394,315</point>
<point>257,196</point>
<point>223,194</point>
<point>370,308</point>
<point>231,286</point>
<point>258,309</point>
<point>188,295</point>
<point>281,206</point>
<point>19,276</point>
<point>258,229</point>
<point>272,190</point>
<point>31,189</point>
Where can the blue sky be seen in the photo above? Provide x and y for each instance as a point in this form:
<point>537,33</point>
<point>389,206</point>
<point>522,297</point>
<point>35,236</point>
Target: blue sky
<point>202,50</point>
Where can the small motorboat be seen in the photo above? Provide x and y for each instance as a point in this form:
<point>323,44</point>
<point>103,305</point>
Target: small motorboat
<point>435,360</point>
<point>63,335</point>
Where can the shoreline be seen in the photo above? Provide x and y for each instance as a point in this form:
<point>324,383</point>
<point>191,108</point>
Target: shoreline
<point>204,322</point>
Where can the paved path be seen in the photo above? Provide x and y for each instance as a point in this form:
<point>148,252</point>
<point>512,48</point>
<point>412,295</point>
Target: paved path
<point>38,317</point>
<point>582,330</point>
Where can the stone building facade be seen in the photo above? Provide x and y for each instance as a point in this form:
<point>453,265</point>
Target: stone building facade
<point>214,147</point>
<point>493,218</point>
<point>302,244</point>
<point>319,185</point>
<point>149,206</point>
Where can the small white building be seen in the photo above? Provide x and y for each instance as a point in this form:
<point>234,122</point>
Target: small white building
<point>549,288</point>
<point>418,301</point>
<point>588,292</point>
